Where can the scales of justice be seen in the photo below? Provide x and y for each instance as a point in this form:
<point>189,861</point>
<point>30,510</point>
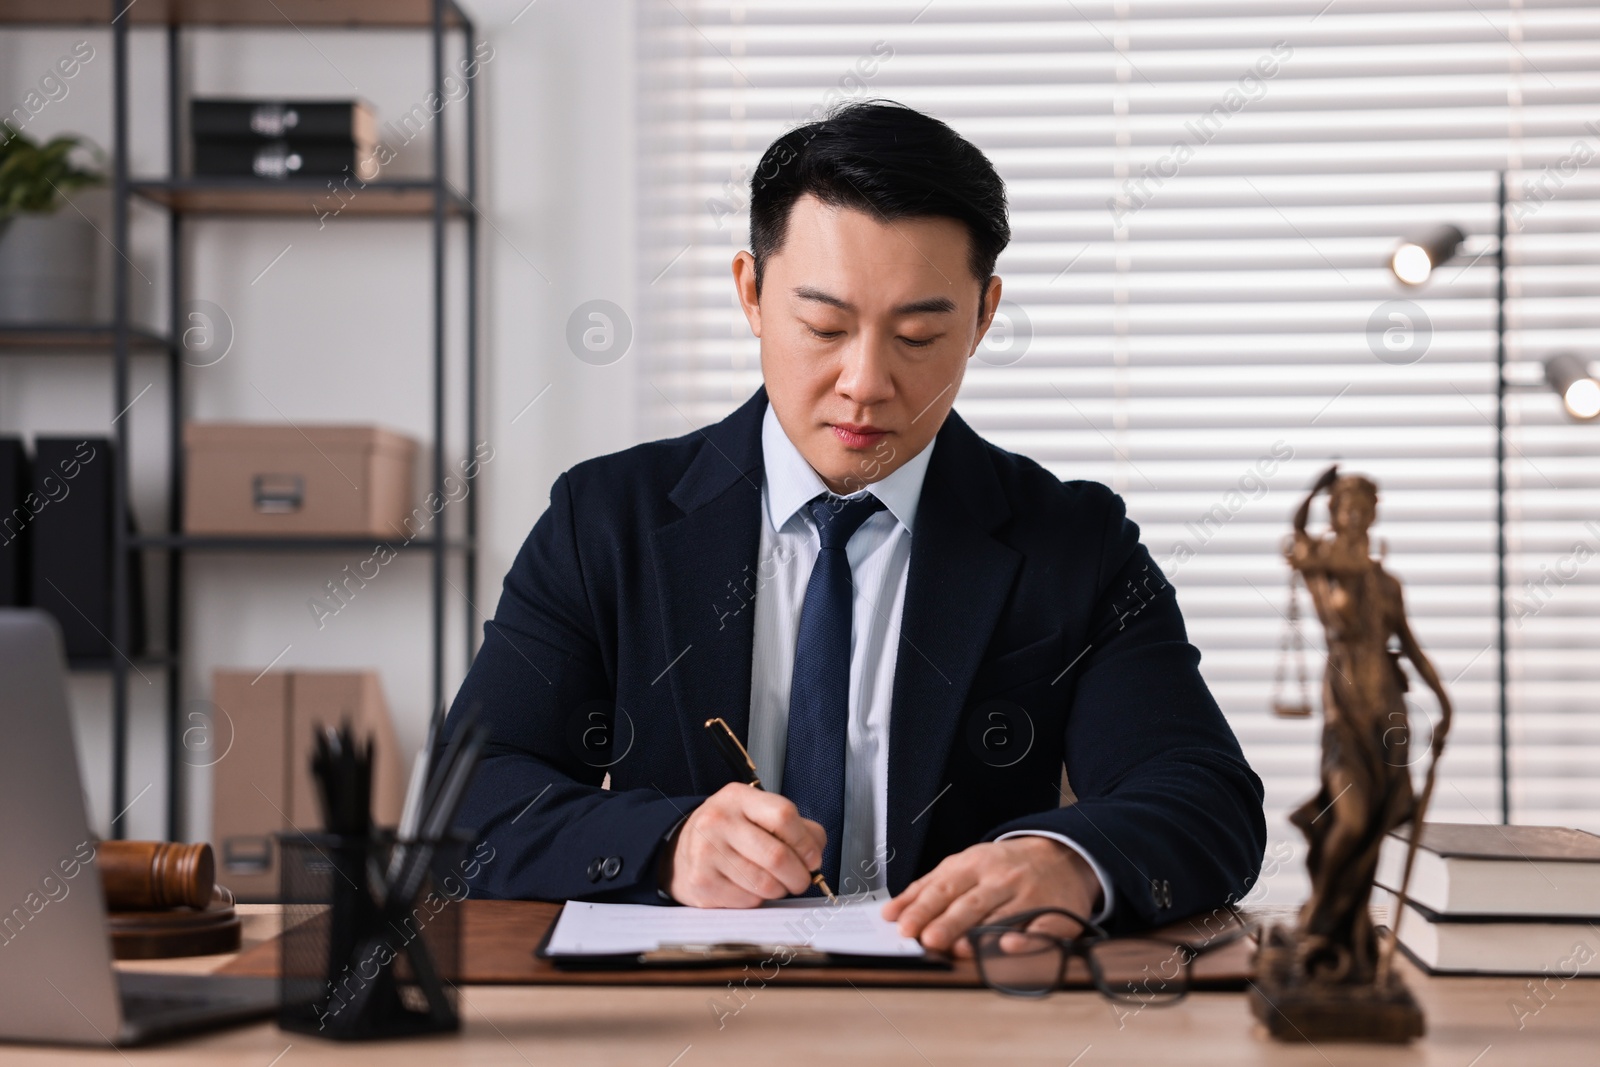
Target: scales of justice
<point>1329,977</point>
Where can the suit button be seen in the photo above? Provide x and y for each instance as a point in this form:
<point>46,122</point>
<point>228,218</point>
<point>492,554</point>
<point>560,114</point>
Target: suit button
<point>611,867</point>
<point>594,869</point>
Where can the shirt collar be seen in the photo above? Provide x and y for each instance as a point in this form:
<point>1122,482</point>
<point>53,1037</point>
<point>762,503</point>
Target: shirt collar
<point>791,482</point>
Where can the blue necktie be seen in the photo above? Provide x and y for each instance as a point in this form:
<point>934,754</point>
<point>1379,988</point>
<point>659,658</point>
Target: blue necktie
<point>819,696</point>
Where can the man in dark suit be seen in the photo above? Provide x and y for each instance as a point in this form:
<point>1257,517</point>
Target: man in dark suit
<point>913,631</point>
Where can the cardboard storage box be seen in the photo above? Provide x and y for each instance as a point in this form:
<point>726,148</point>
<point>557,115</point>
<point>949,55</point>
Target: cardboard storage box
<point>243,478</point>
<point>261,784</point>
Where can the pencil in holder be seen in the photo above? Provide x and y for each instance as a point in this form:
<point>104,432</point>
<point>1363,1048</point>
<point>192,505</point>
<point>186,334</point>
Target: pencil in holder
<point>371,943</point>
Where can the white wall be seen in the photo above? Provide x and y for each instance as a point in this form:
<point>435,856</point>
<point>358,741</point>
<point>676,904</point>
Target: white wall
<point>339,330</point>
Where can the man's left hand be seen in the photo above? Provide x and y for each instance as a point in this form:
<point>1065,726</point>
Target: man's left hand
<point>989,881</point>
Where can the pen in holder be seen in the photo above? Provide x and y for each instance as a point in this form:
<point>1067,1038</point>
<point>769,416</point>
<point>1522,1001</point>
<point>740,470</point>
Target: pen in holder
<point>371,940</point>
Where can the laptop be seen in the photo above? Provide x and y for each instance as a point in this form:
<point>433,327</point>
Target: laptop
<point>57,983</point>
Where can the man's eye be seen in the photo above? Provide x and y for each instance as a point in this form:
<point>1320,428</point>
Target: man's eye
<point>826,336</point>
<point>911,342</point>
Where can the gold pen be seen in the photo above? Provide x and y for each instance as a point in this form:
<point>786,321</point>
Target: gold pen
<point>742,765</point>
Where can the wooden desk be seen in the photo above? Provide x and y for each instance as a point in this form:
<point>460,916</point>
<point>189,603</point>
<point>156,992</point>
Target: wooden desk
<point>1470,1023</point>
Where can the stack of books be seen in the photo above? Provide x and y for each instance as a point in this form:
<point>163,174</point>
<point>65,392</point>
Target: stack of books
<point>282,139</point>
<point>1488,899</point>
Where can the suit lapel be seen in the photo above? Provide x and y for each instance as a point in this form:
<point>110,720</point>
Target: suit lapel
<point>705,565</point>
<point>959,580</point>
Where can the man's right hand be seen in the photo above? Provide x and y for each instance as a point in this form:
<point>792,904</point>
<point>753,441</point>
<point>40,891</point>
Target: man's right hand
<point>741,847</point>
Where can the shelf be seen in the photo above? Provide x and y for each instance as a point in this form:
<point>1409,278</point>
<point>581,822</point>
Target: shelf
<point>16,339</point>
<point>309,543</point>
<point>307,197</point>
<point>260,14</point>
<point>153,660</point>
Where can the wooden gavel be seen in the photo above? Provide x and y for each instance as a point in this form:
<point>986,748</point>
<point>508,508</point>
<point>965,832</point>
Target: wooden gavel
<point>155,875</point>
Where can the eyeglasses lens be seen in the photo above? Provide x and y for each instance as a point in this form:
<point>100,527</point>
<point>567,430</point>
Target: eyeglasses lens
<point>1146,972</point>
<point>1019,963</point>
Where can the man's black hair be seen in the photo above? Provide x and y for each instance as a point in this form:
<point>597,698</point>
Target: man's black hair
<point>889,161</point>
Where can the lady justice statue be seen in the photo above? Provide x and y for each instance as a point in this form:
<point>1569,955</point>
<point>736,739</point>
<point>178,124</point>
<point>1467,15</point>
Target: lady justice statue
<point>1327,978</point>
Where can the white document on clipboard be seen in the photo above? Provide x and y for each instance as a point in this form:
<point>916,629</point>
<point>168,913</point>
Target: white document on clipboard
<point>853,926</point>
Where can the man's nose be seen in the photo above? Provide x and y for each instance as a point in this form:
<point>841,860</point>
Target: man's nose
<point>864,373</point>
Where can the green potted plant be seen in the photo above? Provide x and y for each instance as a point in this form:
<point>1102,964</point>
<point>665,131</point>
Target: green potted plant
<point>47,256</point>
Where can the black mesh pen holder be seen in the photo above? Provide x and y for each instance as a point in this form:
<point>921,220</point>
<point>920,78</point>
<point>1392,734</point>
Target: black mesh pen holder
<point>371,944</point>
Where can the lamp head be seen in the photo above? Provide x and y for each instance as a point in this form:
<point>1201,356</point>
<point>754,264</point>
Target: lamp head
<point>1568,374</point>
<point>1415,260</point>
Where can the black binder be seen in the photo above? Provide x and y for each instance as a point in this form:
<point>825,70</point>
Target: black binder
<point>277,120</point>
<point>72,546</point>
<point>279,160</point>
<point>16,522</point>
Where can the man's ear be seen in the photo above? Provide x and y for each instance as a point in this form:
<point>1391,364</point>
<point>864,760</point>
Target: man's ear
<point>990,304</point>
<point>744,283</point>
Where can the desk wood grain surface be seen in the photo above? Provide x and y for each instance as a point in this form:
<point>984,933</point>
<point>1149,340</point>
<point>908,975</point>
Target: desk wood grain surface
<point>1472,1022</point>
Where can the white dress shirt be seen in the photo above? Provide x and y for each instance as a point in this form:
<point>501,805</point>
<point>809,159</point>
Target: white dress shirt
<point>880,558</point>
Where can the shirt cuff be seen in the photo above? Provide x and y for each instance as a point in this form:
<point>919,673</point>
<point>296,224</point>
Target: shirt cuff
<point>1104,913</point>
<point>667,843</point>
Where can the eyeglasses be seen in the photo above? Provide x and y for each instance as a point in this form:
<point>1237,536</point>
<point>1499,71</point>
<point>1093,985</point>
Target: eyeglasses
<point>1154,971</point>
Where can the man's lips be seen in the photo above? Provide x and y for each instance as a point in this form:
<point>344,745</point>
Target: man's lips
<point>855,435</point>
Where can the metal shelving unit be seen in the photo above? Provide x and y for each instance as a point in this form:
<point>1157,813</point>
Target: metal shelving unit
<point>434,201</point>
<point>75,338</point>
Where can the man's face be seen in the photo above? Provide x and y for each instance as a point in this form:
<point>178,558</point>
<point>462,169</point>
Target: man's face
<point>865,329</point>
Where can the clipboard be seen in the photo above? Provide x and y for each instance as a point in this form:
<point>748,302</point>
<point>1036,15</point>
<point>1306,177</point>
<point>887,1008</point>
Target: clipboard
<point>715,954</point>
<point>705,955</point>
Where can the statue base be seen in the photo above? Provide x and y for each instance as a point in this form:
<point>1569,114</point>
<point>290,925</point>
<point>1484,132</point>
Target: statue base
<point>1294,1009</point>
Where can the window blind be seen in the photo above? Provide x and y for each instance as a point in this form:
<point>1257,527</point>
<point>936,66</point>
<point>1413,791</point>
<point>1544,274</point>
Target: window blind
<point>1198,310</point>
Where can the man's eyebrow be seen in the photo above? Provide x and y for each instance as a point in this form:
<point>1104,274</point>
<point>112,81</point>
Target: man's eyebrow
<point>935,305</point>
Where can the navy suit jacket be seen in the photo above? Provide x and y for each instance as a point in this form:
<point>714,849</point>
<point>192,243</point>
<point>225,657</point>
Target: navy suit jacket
<point>1036,633</point>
